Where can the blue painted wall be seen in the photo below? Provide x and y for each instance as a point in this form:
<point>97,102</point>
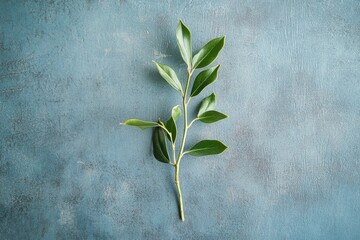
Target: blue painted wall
<point>70,71</point>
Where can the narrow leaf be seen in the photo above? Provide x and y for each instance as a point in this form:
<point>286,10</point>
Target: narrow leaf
<point>140,123</point>
<point>211,116</point>
<point>159,146</point>
<point>207,104</point>
<point>208,53</point>
<point>207,147</point>
<point>171,123</point>
<point>203,79</point>
<point>183,38</point>
<point>169,75</point>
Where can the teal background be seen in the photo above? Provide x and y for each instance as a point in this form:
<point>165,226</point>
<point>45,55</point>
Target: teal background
<point>70,71</point>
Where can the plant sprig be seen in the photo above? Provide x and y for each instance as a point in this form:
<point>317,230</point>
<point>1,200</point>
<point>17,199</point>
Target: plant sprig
<point>167,132</point>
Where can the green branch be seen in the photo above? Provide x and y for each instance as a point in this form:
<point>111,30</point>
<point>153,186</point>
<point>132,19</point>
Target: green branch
<point>206,113</point>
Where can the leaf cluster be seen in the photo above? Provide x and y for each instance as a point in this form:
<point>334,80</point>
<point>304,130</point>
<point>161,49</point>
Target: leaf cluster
<point>206,113</point>
<point>167,132</point>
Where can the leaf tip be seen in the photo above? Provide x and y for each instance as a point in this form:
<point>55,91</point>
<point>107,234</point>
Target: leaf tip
<point>223,39</point>
<point>225,147</point>
<point>181,23</point>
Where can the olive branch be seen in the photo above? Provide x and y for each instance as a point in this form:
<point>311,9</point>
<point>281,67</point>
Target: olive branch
<point>206,113</point>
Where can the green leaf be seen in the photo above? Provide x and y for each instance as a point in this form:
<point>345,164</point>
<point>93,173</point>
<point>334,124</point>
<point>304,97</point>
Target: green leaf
<point>171,127</point>
<point>169,75</point>
<point>159,146</point>
<point>207,104</point>
<point>183,38</point>
<point>208,53</point>
<point>140,123</point>
<point>207,147</point>
<point>171,123</point>
<point>211,116</point>
<point>176,112</point>
<point>203,79</point>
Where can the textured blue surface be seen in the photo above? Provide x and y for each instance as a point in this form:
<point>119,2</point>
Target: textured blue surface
<point>290,81</point>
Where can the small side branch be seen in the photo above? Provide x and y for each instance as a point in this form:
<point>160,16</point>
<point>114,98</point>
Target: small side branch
<point>191,123</point>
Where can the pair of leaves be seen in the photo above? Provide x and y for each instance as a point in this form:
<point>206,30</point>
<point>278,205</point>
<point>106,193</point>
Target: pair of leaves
<point>207,113</point>
<point>159,142</point>
<point>205,56</point>
<point>171,123</point>
<point>202,80</point>
<point>160,151</point>
<point>207,104</point>
<point>202,148</point>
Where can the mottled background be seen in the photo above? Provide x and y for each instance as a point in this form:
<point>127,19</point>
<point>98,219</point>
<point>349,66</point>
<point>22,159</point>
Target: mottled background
<point>70,71</point>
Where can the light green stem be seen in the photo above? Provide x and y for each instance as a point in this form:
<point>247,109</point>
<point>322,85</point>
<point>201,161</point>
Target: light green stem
<point>184,132</point>
<point>181,209</point>
<point>173,150</point>
<point>177,163</point>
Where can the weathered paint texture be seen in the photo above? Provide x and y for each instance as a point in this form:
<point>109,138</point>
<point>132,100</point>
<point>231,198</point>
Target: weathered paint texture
<point>70,71</point>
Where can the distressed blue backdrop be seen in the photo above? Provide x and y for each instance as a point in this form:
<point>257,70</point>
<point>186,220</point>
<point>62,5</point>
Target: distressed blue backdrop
<point>72,70</point>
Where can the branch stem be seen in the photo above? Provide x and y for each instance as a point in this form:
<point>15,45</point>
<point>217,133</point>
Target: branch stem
<point>177,162</point>
<point>181,209</point>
